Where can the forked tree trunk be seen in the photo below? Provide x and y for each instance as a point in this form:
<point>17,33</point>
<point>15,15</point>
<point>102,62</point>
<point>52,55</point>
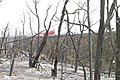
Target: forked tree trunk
<point>58,37</point>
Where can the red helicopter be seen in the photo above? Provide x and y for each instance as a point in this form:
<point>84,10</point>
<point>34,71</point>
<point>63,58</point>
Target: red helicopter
<point>50,32</point>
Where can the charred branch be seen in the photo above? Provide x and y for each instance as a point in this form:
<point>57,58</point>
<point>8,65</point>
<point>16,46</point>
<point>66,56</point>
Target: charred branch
<point>82,25</point>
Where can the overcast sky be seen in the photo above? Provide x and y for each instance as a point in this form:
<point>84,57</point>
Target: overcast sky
<point>12,11</point>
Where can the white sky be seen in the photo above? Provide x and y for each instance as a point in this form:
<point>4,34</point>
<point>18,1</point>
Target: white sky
<point>12,11</point>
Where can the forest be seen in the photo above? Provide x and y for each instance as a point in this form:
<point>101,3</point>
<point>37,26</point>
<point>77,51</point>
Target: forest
<point>49,54</point>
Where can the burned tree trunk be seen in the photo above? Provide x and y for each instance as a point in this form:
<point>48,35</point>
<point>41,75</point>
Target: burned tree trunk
<point>117,46</point>
<point>98,60</point>
<point>42,45</point>
<point>58,37</point>
<point>14,55</point>
<point>54,69</point>
<point>40,49</point>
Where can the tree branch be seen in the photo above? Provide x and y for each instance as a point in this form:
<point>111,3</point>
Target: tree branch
<point>23,38</point>
<point>46,16</point>
<point>31,10</point>
<point>82,25</point>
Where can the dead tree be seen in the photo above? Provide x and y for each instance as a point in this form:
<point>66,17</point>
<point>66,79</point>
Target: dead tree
<point>13,55</point>
<point>107,25</point>
<point>38,20</point>
<point>31,42</point>
<point>98,61</point>
<point>3,40</point>
<point>23,24</point>
<point>22,44</point>
<point>117,72</point>
<point>76,49</point>
<point>111,40</point>
<point>58,37</point>
<point>42,45</point>
<point>89,40</point>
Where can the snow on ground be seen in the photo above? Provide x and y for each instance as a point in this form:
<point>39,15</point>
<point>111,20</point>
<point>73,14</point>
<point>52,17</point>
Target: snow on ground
<point>22,71</point>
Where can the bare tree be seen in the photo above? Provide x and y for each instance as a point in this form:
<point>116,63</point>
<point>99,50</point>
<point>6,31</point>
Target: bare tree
<point>38,19</point>
<point>23,32</point>
<point>76,49</point>
<point>107,25</point>
<point>3,40</point>
<point>98,61</point>
<point>13,55</point>
<point>42,45</point>
<point>89,41</point>
<point>30,23</point>
<point>58,37</point>
<point>117,45</point>
<point>23,24</point>
<point>31,42</point>
<point>111,40</point>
